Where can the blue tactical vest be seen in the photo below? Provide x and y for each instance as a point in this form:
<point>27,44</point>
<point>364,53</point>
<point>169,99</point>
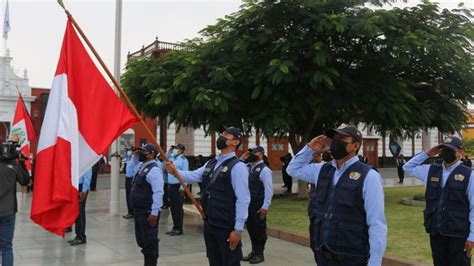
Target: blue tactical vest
<point>311,201</point>
<point>257,189</point>
<point>141,194</point>
<point>340,218</point>
<point>218,197</point>
<point>447,209</point>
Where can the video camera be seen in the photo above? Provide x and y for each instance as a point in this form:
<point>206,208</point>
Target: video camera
<point>9,151</point>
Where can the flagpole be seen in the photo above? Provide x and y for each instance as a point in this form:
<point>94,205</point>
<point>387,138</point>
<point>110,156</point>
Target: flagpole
<point>115,157</point>
<point>127,102</point>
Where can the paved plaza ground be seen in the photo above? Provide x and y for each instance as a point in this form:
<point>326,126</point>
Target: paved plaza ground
<point>111,239</point>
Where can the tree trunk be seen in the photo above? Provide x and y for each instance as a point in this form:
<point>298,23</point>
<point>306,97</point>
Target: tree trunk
<point>297,145</point>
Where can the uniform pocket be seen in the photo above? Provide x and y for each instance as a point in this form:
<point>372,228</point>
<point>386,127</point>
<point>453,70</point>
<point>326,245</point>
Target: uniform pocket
<point>351,235</point>
<point>457,192</point>
<point>346,195</point>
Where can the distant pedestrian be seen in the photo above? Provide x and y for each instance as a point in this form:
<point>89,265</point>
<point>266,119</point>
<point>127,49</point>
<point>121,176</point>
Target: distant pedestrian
<point>287,179</point>
<point>401,173</point>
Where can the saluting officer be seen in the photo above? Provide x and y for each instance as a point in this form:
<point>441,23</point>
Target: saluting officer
<point>261,193</point>
<point>146,198</point>
<point>448,216</point>
<point>225,199</point>
<point>348,202</point>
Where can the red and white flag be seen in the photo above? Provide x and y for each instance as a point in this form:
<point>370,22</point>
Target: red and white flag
<point>83,117</point>
<point>22,130</point>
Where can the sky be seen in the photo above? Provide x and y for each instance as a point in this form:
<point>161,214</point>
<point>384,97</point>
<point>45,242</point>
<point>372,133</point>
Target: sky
<point>37,27</point>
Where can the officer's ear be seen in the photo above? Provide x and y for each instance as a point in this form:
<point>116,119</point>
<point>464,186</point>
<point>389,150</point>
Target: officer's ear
<point>357,146</point>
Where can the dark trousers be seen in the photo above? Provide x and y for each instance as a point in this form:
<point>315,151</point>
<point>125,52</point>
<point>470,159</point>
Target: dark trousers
<point>311,236</point>
<point>93,185</point>
<point>287,181</point>
<point>81,219</point>
<point>401,173</point>
<point>147,237</point>
<point>448,251</point>
<point>128,187</point>
<point>257,229</point>
<point>7,229</point>
<point>166,202</point>
<point>217,247</point>
<point>176,206</point>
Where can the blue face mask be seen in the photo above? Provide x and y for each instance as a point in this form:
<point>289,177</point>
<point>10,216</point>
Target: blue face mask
<point>174,153</point>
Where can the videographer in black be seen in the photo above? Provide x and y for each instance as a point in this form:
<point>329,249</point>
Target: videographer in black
<point>10,173</point>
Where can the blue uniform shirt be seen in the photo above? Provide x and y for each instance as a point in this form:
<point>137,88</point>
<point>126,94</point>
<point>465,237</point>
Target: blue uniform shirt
<point>129,171</point>
<point>416,168</point>
<point>266,178</point>
<point>240,184</point>
<point>181,163</point>
<point>155,179</point>
<point>372,192</point>
<point>85,180</point>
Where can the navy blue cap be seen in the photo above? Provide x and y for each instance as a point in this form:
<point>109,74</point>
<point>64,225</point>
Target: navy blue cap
<point>345,130</point>
<point>258,149</point>
<point>150,147</point>
<point>452,143</point>
<point>232,130</point>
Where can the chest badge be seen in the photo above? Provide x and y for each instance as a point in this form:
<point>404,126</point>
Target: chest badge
<point>258,169</point>
<point>459,177</point>
<point>206,170</point>
<point>354,175</point>
<point>225,169</point>
<point>145,170</point>
<point>434,179</point>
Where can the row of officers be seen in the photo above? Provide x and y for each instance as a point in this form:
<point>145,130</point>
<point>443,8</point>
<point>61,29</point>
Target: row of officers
<point>346,209</point>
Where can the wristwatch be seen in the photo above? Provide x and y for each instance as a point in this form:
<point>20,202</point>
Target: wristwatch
<point>239,232</point>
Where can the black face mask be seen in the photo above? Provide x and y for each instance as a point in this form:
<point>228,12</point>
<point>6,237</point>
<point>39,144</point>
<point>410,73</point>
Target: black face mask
<point>142,157</point>
<point>448,155</point>
<point>221,142</point>
<point>326,156</point>
<point>338,149</point>
<point>252,158</point>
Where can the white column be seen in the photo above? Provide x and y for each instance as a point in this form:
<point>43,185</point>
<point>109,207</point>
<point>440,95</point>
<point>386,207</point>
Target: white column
<point>115,156</point>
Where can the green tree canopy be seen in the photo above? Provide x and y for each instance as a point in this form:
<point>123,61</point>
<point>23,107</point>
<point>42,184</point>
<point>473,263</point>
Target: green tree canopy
<point>298,66</point>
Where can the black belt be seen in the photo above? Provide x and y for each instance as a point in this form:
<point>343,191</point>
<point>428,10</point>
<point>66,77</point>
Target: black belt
<point>174,185</point>
<point>336,257</point>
